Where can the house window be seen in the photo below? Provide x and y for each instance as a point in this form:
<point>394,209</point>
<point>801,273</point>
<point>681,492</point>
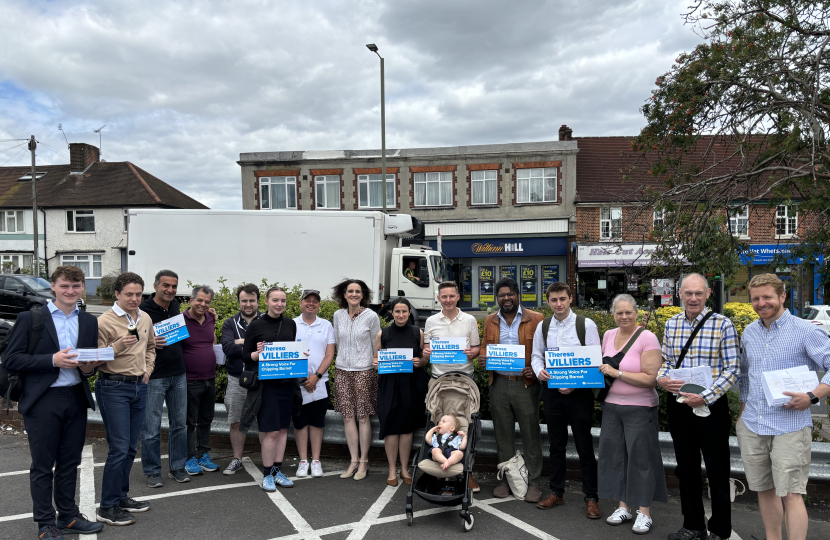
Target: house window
<point>370,191</point>
<point>610,223</point>
<point>80,221</point>
<point>739,221</point>
<point>327,189</point>
<point>536,185</point>
<point>659,219</point>
<point>433,189</point>
<point>786,220</point>
<point>278,192</point>
<point>11,263</point>
<point>11,221</point>
<point>126,219</point>
<point>485,187</point>
<point>90,265</point>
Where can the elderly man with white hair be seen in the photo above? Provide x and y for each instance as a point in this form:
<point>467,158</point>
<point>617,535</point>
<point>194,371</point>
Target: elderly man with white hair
<point>699,337</point>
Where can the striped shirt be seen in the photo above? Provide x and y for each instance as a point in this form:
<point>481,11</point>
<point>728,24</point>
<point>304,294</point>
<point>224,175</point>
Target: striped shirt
<point>788,343</point>
<point>716,346</point>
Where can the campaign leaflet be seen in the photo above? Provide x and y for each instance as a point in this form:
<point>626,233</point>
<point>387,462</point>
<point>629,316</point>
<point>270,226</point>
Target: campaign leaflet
<point>394,361</point>
<point>173,329</point>
<point>505,357</point>
<point>219,353</point>
<point>283,360</point>
<point>449,350</point>
<point>104,354</point>
<point>574,367</point>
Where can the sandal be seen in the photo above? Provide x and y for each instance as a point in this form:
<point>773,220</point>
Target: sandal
<point>349,472</point>
<point>361,475</point>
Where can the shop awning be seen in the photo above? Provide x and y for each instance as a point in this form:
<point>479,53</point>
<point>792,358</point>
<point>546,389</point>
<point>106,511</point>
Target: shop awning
<point>614,255</point>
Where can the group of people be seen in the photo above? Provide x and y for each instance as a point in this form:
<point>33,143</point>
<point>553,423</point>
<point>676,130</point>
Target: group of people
<point>148,372</point>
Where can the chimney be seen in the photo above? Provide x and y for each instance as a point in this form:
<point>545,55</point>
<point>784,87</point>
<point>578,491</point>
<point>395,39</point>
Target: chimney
<point>81,156</point>
<point>565,133</point>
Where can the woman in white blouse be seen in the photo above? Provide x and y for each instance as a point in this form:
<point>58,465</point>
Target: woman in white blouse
<point>355,382</point>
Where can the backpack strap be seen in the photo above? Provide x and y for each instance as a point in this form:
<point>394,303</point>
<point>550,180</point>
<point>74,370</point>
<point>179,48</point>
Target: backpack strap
<point>545,330</point>
<point>580,329</point>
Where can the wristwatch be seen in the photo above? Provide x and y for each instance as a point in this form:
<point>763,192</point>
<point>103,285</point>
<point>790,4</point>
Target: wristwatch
<point>319,375</point>
<point>813,399</point>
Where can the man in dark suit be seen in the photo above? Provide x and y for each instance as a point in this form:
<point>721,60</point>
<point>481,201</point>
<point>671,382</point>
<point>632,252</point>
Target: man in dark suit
<point>55,400</point>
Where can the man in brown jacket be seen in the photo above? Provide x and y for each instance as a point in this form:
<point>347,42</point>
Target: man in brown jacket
<point>514,397</point>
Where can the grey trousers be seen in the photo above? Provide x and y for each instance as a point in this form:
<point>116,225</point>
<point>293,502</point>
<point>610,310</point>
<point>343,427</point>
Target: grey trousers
<point>511,402</point>
<point>630,461</point>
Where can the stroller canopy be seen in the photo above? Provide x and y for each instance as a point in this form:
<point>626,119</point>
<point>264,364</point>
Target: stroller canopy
<point>455,394</point>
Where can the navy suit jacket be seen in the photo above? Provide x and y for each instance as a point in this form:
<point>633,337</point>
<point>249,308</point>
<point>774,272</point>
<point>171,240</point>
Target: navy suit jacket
<point>37,369</point>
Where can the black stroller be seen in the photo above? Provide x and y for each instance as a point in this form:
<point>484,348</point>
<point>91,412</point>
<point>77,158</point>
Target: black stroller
<point>455,394</point>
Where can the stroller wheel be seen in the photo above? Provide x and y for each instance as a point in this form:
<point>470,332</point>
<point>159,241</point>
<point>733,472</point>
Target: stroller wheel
<point>468,526</point>
<point>409,518</point>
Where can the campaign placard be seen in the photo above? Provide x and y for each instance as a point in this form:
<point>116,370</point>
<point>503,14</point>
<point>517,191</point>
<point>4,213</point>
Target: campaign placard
<point>283,360</point>
<point>505,357</point>
<point>449,350</point>
<point>574,367</point>
<point>173,329</point>
<point>394,361</point>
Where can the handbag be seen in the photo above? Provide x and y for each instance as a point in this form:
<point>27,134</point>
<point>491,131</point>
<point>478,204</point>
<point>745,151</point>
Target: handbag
<point>249,380</point>
<point>614,361</point>
<point>514,472</point>
<point>692,338</point>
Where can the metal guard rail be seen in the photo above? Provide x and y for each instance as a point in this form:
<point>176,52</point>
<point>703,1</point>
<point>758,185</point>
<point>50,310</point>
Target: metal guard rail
<point>335,434</point>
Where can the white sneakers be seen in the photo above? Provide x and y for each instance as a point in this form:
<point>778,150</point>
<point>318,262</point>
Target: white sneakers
<point>316,469</point>
<point>620,516</point>
<point>642,525</point>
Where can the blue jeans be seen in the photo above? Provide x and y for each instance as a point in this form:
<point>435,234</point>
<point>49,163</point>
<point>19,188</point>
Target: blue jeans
<point>173,390</point>
<point>122,406</point>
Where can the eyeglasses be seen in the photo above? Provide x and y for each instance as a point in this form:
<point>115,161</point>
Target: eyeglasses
<point>506,295</point>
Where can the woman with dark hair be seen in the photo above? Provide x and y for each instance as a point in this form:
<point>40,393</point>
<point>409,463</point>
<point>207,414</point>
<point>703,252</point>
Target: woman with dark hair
<point>277,394</point>
<point>400,395</point>
<point>355,382</point>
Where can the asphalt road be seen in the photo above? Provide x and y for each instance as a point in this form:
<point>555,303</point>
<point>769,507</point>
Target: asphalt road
<point>214,506</point>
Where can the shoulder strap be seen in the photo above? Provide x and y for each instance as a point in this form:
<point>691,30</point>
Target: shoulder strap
<point>691,339</point>
<point>545,330</point>
<point>384,337</point>
<point>36,330</point>
<point>580,329</point>
<point>631,341</point>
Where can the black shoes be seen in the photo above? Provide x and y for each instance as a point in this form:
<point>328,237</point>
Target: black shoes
<point>114,515</point>
<point>179,476</point>
<point>50,532</point>
<point>79,525</point>
<point>133,506</point>
<point>154,481</point>
<point>687,534</point>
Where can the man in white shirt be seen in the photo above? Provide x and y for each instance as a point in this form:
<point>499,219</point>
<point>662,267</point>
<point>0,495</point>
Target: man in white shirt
<point>452,322</point>
<point>311,418</point>
<point>563,406</point>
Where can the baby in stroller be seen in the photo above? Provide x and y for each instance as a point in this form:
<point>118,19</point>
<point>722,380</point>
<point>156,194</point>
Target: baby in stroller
<point>448,444</point>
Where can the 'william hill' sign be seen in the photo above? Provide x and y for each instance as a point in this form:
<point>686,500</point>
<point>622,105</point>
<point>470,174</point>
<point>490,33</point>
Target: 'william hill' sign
<point>486,247</point>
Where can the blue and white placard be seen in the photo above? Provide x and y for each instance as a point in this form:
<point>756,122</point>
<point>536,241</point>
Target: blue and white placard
<point>574,367</point>
<point>505,357</point>
<point>283,360</point>
<point>173,329</point>
<point>448,350</point>
<point>394,361</point>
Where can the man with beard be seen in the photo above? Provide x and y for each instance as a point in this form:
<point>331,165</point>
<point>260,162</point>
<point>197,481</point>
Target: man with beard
<point>233,337</point>
<point>514,397</point>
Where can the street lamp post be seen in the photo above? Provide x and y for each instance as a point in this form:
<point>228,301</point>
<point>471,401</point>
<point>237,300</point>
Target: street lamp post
<point>374,48</point>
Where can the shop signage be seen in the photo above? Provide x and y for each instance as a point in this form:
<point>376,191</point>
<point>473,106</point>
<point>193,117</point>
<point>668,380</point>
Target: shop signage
<point>615,255</point>
<point>529,293</point>
<point>486,283</point>
<point>764,253</point>
<point>504,247</point>
<point>550,274</point>
<point>467,284</point>
<point>507,272</point>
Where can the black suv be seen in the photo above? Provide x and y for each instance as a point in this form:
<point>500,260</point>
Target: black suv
<point>21,292</point>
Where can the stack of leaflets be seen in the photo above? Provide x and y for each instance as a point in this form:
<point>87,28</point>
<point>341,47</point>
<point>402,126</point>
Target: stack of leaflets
<point>699,375</point>
<point>104,354</point>
<point>795,379</point>
<point>220,355</point>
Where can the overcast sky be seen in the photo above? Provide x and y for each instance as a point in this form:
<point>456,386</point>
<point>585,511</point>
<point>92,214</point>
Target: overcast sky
<point>184,87</point>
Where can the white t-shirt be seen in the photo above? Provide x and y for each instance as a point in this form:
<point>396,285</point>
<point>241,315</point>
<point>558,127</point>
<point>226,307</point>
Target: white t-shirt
<point>319,335</point>
<point>463,325</point>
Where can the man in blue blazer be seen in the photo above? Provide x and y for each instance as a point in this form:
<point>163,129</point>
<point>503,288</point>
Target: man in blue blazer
<point>55,400</point>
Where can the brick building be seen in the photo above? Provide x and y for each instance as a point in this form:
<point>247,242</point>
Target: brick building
<point>501,209</point>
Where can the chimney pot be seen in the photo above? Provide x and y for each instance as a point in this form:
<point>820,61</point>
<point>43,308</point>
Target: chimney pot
<point>565,133</point>
<point>82,155</point>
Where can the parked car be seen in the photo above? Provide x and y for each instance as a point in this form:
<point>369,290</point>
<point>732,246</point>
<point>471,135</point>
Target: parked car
<point>819,315</point>
<point>21,292</point>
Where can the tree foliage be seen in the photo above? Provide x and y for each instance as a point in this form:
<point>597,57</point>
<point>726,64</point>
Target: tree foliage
<point>741,119</point>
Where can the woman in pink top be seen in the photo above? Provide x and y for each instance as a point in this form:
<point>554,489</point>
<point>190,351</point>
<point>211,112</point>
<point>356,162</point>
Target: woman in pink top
<point>630,463</point>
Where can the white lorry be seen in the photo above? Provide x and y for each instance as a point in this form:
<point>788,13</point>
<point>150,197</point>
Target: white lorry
<point>315,249</point>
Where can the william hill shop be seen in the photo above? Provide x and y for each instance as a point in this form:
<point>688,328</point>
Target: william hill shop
<point>478,263</point>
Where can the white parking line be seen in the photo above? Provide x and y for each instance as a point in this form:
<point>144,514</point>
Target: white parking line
<point>291,513</point>
<point>15,473</point>
<point>87,487</point>
<point>526,527</point>
<point>372,514</point>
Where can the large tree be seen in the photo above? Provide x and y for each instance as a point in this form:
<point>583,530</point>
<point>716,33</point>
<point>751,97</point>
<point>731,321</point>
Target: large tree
<point>741,119</point>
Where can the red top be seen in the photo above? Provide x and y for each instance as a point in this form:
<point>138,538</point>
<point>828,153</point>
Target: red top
<point>199,358</point>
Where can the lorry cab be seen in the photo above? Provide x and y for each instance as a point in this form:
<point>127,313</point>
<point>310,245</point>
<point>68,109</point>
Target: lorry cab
<point>415,274</point>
